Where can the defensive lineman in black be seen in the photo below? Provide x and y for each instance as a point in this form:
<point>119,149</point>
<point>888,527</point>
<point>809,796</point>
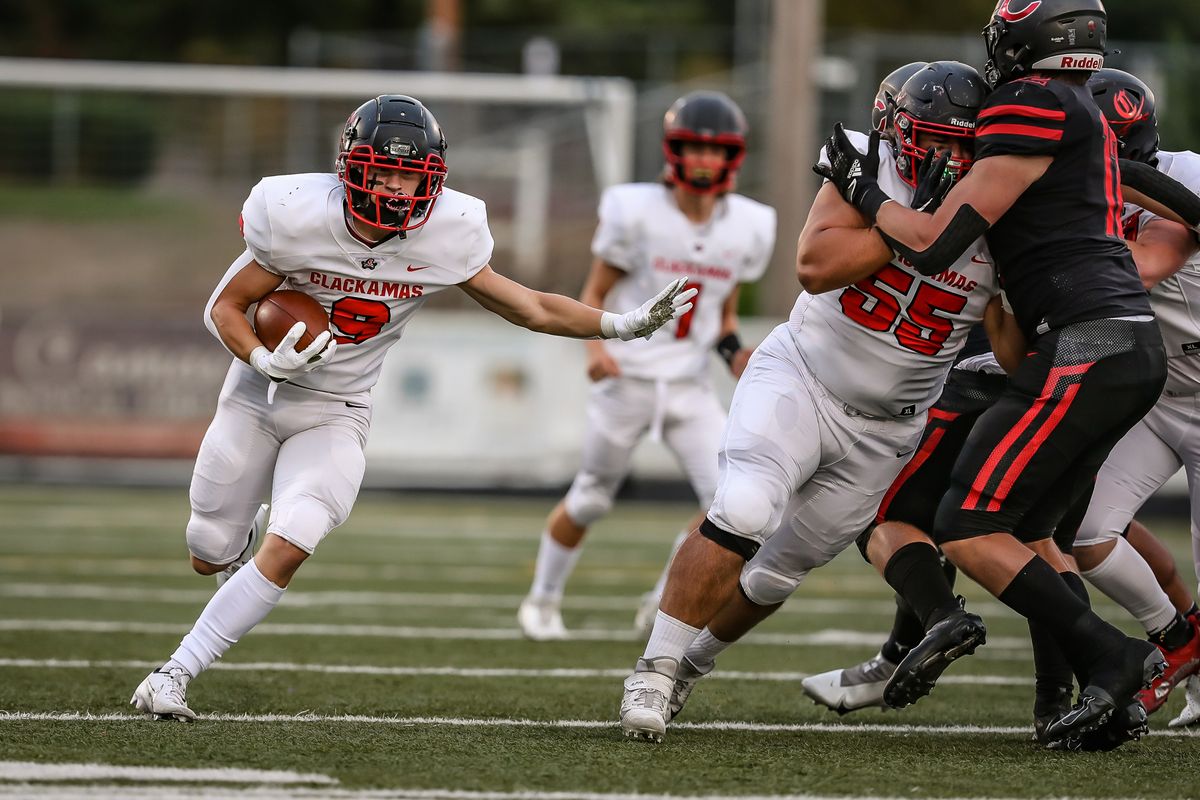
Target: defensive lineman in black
<point>1045,189</point>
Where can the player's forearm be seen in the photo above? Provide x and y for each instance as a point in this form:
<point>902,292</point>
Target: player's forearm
<point>559,315</point>
<point>1008,343</point>
<point>234,329</point>
<point>838,257</point>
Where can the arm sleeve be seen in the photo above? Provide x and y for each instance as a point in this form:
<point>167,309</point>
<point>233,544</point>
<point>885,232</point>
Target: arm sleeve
<point>1021,118</point>
<point>613,241</point>
<point>255,223</point>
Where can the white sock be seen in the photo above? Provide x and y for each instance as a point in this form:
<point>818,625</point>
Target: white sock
<point>705,649</point>
<point>555,564</point>
<point>670,639</point>
<point>1126,577</point>
<point>661,586</point>
<point>239,605</point>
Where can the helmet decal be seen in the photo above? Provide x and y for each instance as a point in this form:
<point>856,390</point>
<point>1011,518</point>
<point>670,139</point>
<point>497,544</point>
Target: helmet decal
<point>1004,12</point>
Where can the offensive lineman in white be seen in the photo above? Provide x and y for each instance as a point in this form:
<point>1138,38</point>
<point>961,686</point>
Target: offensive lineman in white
<point>370,243</point>
<point>690,222</point>
<point>828,410</point>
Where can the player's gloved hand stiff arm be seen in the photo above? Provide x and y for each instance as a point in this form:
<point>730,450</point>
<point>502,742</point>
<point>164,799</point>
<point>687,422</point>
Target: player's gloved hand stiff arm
<point>933,182</point>
<point>855,174</point>
<point>285,362</point>
<point>671,303</point>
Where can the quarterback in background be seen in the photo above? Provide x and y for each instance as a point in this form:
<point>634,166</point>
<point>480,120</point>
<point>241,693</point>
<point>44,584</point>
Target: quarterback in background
<point>371,243</point>
<point>691,222</point>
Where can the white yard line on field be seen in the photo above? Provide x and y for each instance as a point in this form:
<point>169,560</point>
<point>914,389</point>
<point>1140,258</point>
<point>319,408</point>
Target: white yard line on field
<point>31,771</point>
<point>168,792</point>
<point>587,724</point>
<point>831,636</point>
<point>461,672</point>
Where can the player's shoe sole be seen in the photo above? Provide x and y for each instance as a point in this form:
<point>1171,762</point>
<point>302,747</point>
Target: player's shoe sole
<point>958,635</point>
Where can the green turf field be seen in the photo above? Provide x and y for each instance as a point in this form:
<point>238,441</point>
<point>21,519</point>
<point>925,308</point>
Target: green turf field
<point>393,668</point>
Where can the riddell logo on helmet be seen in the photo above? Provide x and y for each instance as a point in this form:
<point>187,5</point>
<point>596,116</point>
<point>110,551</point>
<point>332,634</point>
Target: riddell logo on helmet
<point>1084,62</point>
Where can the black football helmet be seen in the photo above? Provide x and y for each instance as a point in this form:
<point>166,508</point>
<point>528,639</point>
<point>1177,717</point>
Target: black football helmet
<point>881,112</point>
<point>1028,35</point>
<point>942,98</point>
<point>391,132</point>
<point>709,117</point>
<point>1128,105</point>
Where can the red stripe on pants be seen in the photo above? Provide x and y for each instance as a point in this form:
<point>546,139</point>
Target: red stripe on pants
<point>927,447</point>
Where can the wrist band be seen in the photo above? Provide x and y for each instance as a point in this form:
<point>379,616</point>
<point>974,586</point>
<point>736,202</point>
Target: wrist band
<point>728,347</point>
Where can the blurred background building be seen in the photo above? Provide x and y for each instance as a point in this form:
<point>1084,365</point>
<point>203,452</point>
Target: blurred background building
<point>131,132</point>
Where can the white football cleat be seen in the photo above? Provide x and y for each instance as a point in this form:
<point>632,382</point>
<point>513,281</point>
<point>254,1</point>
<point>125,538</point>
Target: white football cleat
<point>685,680</point>
<point>852,688</point>
<point>541,619</point>
<point>644,706</point>
<point>163,695</point>
<point>258,529</point>
<point>1191,710</point>
<point>643,621</point>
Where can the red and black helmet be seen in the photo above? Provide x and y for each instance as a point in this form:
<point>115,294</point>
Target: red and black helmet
<point>881,112</point>
<point>707,117</point>
<point>943,98</point>
<point>1128,105</point>
<point>391,132</point>
<point>1052,35</point>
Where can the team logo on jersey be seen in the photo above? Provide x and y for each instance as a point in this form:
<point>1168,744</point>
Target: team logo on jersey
<point>1004,12</point>
<point>368,263</point>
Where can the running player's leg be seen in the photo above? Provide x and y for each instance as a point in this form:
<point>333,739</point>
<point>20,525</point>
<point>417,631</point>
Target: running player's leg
<point>618,415</point>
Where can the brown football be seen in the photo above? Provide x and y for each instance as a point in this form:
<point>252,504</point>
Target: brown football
<point>279,311</point>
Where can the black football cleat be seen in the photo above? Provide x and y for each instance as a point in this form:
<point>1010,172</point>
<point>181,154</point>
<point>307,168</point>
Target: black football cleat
<point>955,636</point>
<point>1126,724</point>
<point>1114,682</point>
<point>1049,709</point>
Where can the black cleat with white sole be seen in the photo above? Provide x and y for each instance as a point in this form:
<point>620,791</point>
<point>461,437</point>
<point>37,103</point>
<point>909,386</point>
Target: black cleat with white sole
<point>1112,686</point>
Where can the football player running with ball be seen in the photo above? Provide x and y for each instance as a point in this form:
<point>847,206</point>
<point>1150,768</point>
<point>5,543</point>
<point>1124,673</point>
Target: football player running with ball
<point>371,242</point>
<point>689,222</point>
<point>1045,191</point>
<point>829,409</point>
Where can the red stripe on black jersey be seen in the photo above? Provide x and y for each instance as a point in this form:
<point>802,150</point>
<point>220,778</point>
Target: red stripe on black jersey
<point>1112,183</point>
<point>993,129</point>
<point>1022,111</point>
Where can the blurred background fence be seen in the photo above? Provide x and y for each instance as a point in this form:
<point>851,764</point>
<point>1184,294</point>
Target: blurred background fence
<point>121,181</point>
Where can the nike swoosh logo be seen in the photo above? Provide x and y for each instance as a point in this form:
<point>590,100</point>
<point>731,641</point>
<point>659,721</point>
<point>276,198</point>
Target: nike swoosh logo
<point>411,268</point>
<point>978,260</point>
<point>904,453</point>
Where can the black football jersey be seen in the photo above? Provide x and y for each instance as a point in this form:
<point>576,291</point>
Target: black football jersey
<point>1058,249</point>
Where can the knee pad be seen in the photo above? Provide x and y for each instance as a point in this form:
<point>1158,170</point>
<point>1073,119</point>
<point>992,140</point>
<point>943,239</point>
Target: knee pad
<point>214,540</point>
<point>766,587</point>
<point>590,497</point>
<point>305,520</point>
<point>744,508</point>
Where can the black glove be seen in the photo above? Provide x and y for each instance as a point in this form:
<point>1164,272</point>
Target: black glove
<point>855,174</point>
<point>933,182</point>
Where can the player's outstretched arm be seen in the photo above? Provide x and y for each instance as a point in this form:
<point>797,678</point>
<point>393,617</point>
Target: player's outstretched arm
<point>837,247</point>
<point>562,316</point>
<point>1161,249</point>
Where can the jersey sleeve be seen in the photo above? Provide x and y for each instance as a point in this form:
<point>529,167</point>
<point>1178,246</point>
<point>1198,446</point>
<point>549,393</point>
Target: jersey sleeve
<point>255,222</point>
<point>479,254</point>
<point>761,246</point>
<point>1021,118</point>
<point>613,241</point>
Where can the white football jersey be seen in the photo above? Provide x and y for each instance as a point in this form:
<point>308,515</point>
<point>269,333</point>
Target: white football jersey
<point>643,232</point>
<point>1176,300</point>
<point>885,344</point>
<point>294,226</point>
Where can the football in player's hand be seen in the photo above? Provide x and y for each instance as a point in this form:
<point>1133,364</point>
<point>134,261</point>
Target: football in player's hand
<point>279,311</point>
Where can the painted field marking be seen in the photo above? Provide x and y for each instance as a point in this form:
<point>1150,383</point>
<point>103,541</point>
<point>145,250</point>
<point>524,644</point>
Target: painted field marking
<point>462,672</point>
<point>31,771</point>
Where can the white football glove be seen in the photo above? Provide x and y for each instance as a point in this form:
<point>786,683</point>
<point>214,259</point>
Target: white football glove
<point>671,303</point>
<point>286,362</point>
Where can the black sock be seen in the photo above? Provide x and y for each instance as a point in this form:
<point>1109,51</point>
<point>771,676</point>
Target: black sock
<point>1039,593</point>
<point>907,631</point>
<point>1175,635</point>
<point>915,572</point>
<point>1054,675</point>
